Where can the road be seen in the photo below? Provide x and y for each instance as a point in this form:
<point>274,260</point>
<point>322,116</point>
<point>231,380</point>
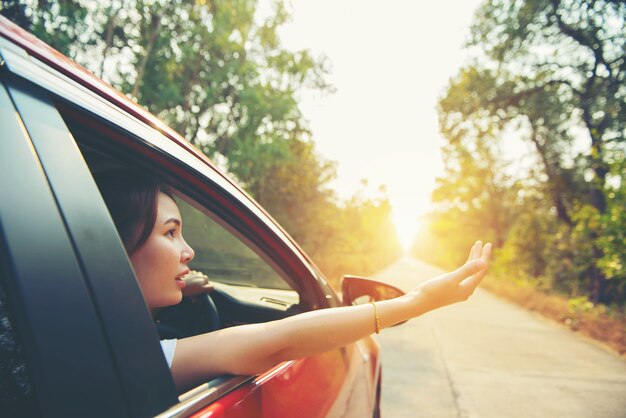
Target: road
<point>489,358</point>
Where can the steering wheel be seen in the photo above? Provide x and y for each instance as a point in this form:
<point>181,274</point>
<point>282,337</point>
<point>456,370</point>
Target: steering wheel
<point>212,316</point>
<point>192,316</point>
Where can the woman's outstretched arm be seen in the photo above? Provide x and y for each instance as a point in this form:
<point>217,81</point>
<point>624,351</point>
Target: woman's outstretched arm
<point>254,348</point>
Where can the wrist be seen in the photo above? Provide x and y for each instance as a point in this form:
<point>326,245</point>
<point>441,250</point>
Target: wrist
<point>420,302</point>
<point>410,306</point>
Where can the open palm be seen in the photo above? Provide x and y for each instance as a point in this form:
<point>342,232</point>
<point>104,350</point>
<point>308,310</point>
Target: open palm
<point>459,284</point>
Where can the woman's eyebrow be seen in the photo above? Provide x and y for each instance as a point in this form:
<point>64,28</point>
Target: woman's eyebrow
<point>176,221</point>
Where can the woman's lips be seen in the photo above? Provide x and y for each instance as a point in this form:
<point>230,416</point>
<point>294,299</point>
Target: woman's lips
<point>180,282</point>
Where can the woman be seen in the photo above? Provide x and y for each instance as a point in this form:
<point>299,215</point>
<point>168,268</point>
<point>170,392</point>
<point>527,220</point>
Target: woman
<point>150,226</point>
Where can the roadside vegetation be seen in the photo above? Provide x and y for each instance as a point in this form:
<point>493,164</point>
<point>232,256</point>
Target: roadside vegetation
<point>547,79</point>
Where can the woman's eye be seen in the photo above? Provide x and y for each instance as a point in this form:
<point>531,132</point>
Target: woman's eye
<point>171,233</point>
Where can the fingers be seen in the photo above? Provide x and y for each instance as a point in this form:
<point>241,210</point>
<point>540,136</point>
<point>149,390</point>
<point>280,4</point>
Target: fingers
<point>478,249</point>
<point>472,282</point>
<point>486,255</point>
<point>468,269</point>
<point>475,251</point>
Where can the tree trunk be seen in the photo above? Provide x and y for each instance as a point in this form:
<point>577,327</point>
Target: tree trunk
<point>188,104</point>
<point>553,180</point>
<point>108,38</point>
<point>155,24</point>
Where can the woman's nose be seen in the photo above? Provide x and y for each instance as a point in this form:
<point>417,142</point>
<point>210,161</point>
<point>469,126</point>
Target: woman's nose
<point>188,253</point>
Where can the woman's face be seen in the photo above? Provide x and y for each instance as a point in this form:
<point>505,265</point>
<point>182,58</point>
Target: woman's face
<point>161,262</point>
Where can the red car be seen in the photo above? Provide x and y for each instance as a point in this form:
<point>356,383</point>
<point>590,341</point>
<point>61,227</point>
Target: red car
<point>76,338</point>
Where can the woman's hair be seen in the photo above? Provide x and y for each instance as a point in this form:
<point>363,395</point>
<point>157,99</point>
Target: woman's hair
<point>131,197</point>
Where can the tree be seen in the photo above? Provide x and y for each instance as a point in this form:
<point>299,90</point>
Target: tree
<point>555,71</point>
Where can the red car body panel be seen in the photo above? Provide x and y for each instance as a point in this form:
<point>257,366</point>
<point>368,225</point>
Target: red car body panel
<point>314,387</point>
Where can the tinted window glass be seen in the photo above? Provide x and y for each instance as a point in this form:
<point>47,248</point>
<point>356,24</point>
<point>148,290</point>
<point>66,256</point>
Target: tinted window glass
<point>222,256</point>
<point>16,397</point>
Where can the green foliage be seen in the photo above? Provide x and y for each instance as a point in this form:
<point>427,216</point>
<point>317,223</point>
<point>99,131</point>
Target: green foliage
<point>544,253</point>
<point>580,304</point>
<point>613,224</point>
<point>474,196</point>
<point>553,72</point>
<point>526,253</point>
<point>60,23</point>
<point>355,237</point>
<point>359,238</point>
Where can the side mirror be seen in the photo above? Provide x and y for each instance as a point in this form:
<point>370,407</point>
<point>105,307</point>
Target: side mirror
<point>358,290</point>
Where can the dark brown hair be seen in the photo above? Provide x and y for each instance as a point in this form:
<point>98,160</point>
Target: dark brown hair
<point>131,197</point>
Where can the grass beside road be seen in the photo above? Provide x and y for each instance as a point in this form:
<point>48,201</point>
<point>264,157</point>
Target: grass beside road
<point>579,314</point>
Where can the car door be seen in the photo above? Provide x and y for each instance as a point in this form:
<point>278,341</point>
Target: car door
<point>258,277</point>
<point>77,292</point>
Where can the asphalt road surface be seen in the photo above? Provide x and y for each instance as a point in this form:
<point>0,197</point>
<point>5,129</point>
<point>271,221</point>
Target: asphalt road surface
<point>489,358</point>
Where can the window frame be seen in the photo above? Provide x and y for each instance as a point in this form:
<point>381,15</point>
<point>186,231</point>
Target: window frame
<point>36,259</point>
<point>129,335</point>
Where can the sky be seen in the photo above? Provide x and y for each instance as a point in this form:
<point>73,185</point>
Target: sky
<point>390,62</point>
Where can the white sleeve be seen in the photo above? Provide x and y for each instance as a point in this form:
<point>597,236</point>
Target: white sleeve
<point>168,347</point>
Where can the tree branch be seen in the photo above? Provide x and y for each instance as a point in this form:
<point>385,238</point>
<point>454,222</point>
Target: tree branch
<point>580,37</point>
<point>554,179</point>
<point>108,37</point>
<point>514,98</point>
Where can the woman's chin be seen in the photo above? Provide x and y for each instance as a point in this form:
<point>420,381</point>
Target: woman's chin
<point>171,300</point>
<point>179,297</point>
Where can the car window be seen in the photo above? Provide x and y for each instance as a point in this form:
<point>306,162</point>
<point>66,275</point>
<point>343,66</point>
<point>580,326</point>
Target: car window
<point>248,286</point>
<point>16,396</point>
<point>246,278</point>
<point>221,255</point>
